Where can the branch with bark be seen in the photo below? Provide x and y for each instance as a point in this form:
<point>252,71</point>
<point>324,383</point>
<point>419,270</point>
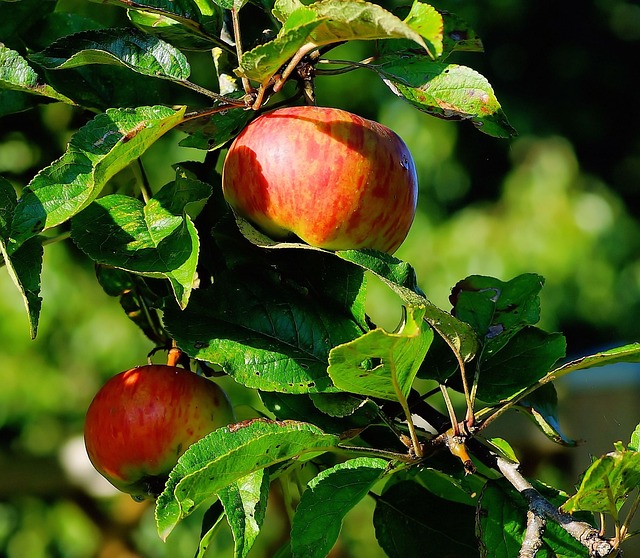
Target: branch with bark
<point>541,510</point>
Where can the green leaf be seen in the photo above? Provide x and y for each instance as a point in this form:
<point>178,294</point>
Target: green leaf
<point>409,519</point>
<point>300,407</point>
<point>319,24</point>
<point>495,309</point>
<point>245,503</point>
<point>15,101</point>
<point>607,483</point>
<point>262,62</point>
<point>428,22</point>
<point>400,277</point>
<point>634,444</point>
<point>211,132</point>
<point>462,490</point>
<point>542,408</point>
<point>174,32</point>
<point>133,49</point>
<point>448,91</point>
<point>337,405</point>
<point>229,454</point>
<point>347,20</point>
<point>8,202</point>
<point>625,353</point>
<point>502,516</point>
<point>157,239</point>
<point>262,331</point>
<point>211,522</point>
<point>444,33</point>
<point>525,359</point>
<point>25,264</point>
<point>327,500</point>
<point>17,75</point>
<point>201,16</point>
<point>381,364</point>
<point>95,153</point>
<point>231,4</point>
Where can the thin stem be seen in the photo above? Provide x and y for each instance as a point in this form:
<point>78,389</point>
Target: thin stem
<point>470,418</point>
<point>297,57</point>
<point>238,40</point>
<point>627,522</point>
<point>450,410</point>
<point>143,180</point>
<point>58,238</point>
<point>237,103</point>
<point>208,93</point>
<point>350,65</point>
<point>415,442</point>
<point>402,457</point>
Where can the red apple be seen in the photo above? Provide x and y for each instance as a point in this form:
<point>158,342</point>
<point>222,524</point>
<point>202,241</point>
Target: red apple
<point>329,177</point>
<point>142,420</point>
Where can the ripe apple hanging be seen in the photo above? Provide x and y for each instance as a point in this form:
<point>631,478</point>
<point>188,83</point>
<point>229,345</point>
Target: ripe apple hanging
<point>329,177</point>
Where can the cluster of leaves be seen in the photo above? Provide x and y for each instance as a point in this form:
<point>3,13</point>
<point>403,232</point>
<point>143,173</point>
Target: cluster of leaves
<point>287,320</point>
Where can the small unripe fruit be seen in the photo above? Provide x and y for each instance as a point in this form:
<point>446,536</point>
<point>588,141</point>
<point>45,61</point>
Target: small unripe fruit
<point>142,420</point>
<point>329,177</point>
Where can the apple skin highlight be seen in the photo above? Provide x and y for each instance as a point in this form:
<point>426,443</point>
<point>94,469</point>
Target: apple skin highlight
<point>331,178</point>
<point>142,420</point>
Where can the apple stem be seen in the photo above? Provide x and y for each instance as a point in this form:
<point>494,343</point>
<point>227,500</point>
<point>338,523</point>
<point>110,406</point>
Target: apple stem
<point>297,57</point>
<point>173,358</point>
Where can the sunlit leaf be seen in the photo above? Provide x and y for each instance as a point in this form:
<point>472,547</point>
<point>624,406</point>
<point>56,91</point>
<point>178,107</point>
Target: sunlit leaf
<point>542,408</point>
<point>634,444</point>
<point>429,24</point>
<point>625,353</point>
<point>172,31</point>
<point>400,277</point>
<point>245,503</point>
<point>229,454</point>
<point>381,364</point>
<point>265,333</point>
<point>157,239</point>
<point>322,23</point>
<point>95,153</point>
<point>138,51</point>
<point>448,91</point>
<point>607,483</point>
<point>17,75</point>
<point>24,264</point>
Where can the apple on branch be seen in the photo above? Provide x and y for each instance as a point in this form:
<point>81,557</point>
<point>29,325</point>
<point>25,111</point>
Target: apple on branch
<point>331,178</point>
<point>142,420</point>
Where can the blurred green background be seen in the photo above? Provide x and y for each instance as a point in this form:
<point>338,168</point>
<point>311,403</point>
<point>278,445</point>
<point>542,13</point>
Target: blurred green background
<point>562,200</point>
